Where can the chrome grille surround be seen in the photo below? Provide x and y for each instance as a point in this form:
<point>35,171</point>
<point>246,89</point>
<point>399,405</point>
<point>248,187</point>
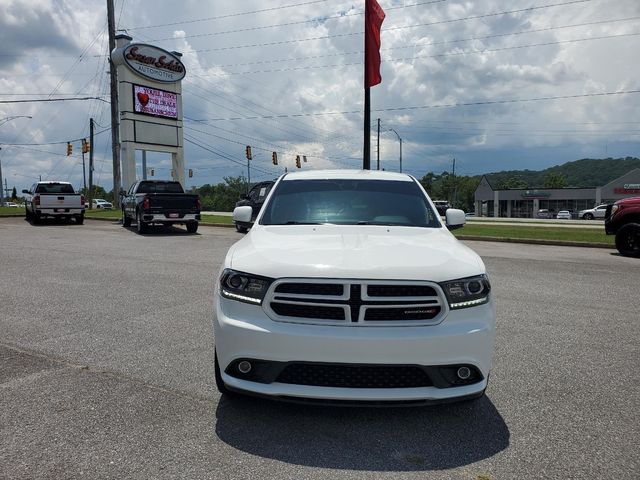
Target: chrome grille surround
<point>355,301</point>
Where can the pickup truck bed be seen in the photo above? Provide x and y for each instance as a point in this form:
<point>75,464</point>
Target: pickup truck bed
<point>53,199</point>
<point>160,202</point>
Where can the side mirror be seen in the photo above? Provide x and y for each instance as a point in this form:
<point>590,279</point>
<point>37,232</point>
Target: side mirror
<point>242,214</point>
<point>26,191</point>
<point>455,218</point>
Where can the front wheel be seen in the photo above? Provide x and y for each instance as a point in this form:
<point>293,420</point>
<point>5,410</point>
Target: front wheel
<point>628,240</point>
<point>192,227</point>
<point>126,221</point>
<point>588,216</point>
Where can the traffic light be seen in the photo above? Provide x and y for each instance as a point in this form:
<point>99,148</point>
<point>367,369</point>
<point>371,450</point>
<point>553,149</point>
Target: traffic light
<point>85,146</point>
<point>190,173</point>
<point>297,161</point>
<point>304,158</point>
<point>248,151</point>
<point>274,158</point>
<point>152,172</point>
<point>69,148</point>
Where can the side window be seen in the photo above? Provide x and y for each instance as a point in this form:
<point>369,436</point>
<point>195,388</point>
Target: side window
<point>253,194</point>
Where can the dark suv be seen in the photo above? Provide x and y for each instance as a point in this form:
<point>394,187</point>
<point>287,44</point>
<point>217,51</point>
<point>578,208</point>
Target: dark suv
<point>623,220</point>
<point>254,199</point>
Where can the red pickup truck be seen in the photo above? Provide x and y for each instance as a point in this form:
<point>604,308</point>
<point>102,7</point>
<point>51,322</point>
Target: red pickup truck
<point>623,220</point>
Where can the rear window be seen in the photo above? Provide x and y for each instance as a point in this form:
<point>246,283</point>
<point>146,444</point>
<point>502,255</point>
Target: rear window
<point>349,202</point>
<point>160,187</point>
<point>55,188</point>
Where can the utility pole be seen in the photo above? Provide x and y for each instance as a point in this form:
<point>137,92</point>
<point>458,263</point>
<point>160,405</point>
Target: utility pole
<point>454,181</point>
<point>144,166</point>
<point>1,196</point>
<point>84,173</point>
<point>90,193</point>
<point>115,133</point>
<point>378,144</point>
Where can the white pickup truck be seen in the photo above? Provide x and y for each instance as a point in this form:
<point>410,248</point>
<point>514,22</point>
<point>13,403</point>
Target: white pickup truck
<point>349,288</point>
<point>53,199</point>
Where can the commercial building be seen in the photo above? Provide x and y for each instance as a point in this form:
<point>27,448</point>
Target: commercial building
<point>525,203</point>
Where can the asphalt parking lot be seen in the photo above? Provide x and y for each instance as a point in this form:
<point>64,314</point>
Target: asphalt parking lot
<point>106,371</point>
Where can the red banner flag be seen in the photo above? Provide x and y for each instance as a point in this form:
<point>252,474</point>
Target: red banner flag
<point>373,18</point>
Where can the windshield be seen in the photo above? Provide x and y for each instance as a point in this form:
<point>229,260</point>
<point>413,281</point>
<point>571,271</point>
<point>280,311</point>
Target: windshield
<point>349,202</point>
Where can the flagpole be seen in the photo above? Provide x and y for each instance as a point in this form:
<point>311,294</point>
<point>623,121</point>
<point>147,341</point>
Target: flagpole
<point>366,151</point>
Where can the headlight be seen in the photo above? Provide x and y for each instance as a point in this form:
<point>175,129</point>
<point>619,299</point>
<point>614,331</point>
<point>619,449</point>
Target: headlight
<point>467,292</point>
<point>243,287</point>
<point>614,209</point>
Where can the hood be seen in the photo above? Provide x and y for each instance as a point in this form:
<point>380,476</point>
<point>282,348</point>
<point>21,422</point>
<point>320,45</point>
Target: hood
<point>359,251</point>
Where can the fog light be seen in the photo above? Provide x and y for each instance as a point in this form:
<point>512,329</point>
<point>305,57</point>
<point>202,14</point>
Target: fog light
<point>464,373</point>
<point>244,367</point>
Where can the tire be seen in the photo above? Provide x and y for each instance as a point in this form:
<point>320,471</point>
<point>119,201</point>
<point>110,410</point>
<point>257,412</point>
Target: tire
<point>222,388</point>
<point>241,229</point>
<point>126,221</point>
<point>27,214</point>
<point>141,226</point>
<point>80,220</point>
<point>588,216</point>
<point>628,240</point>
<point>35,218</point>
<point>192,227</point>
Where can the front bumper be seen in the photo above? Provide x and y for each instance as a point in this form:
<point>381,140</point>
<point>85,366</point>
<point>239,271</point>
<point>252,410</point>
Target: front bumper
<point>464,337</point>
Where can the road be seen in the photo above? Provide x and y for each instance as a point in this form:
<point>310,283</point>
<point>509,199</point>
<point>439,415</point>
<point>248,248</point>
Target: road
<point>106,371</point>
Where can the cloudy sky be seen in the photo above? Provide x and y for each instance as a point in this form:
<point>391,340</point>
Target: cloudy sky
<point>477,80</point>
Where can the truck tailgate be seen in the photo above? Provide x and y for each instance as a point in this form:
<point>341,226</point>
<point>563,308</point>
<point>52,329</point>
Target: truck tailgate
<point>57,200</point>
<point>173,201</point>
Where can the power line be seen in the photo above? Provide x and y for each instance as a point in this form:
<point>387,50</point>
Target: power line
<point>439,42</point>
<point>41,100</point>
<point>299,22</point>
<point>423,107</point>
<point>471,52</point>
<point>229,15</point>
<point>348,34</point>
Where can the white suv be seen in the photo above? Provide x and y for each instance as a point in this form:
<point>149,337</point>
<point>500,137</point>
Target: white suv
<point>349,288</point>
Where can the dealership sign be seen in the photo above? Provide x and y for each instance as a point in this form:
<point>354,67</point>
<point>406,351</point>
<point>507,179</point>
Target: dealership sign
<point>628,188</point>
<point>154,63</point>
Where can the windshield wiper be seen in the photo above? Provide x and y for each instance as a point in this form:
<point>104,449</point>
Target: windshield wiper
<point>293,222</point>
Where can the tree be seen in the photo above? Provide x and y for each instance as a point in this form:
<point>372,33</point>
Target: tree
<point>511,183</point>
<point>14,194</point>
<point>555,180</point>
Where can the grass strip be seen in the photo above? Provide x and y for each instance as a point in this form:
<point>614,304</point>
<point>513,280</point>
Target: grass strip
<point>586,235</point>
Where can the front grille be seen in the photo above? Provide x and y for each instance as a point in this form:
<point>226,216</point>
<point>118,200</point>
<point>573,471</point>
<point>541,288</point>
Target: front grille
<point>308,311</point>
<point>391,314</point>
<point>310,288</point>
<point>355,302</point>
<point>400,291</point>
<point>355,376</point>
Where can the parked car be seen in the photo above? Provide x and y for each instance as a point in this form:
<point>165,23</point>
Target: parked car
<point>11,205</point>
<point>163,202</point>
<point>623,220</point>
<point>442,206</point>
<point>470,215</point>
<point>53,199</point>
<point>544,213</point>
<point>100,204</point>
<point>595,212</point>
<point>350,287</point>
<point>254,199</point>
<point>564,215</point>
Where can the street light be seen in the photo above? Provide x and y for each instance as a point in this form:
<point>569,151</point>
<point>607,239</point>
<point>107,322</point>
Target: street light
<point>400,140</point>
<point>2,122</point>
